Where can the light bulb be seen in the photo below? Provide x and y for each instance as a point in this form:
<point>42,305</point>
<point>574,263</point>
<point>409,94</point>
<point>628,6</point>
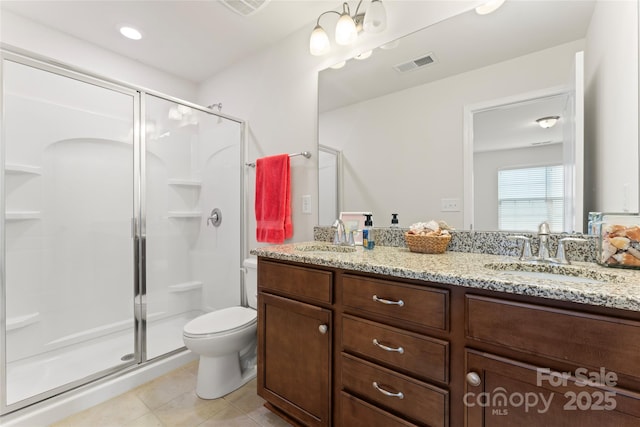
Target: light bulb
<point>375,20</point>
<point>130,33</point>
<point>319,41</point>
<point>346,32</point>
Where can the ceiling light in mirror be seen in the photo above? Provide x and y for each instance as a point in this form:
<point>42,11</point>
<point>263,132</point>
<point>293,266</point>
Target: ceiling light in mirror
<point>130,33</point>
<point>548,122</point>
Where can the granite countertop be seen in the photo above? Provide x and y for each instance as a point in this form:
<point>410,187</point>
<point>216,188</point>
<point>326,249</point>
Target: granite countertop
<point>615,288</point>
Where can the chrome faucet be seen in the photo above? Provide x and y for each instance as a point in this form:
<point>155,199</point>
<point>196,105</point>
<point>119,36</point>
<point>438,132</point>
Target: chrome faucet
<point>543,248</point>
<point>340,237</point>
<point>343,236</point>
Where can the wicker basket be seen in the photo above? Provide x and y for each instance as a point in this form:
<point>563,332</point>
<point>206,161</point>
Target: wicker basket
<point>427,244</point>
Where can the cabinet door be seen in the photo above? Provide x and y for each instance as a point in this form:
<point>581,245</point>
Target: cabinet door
<point>294,358</point>
<point>503,392</point>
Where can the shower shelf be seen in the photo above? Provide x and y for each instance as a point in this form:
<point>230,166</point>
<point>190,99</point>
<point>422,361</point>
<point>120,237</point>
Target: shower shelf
<point>185,214</point>
<point>22,215</point>
<point>16,168</point>
<point>186,182</point>
<point>185,286</point>
<point>22,321</point>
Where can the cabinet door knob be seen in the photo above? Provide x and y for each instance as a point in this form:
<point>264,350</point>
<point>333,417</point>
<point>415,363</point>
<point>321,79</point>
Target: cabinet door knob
<point>399,303</point>
<point>474,379</point>
<point>323,329</point>
<point>399,394</point>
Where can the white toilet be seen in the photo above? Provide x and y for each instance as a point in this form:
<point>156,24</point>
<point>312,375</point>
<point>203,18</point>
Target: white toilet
<point>226,341</point>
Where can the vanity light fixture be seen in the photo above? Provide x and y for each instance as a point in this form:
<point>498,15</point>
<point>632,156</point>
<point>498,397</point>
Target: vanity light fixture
<point>130,33</point>
<point>347,28</point>
<point>489,7</point>
<point>548,122</point>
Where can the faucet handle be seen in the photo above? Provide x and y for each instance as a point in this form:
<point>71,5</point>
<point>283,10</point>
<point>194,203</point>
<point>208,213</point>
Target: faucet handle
<point>544,228</point>
<point>561,254</point>
<point>526,247</point>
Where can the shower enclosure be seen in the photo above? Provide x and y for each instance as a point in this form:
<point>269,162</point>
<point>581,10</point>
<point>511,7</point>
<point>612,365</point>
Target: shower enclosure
<point>121,219</point>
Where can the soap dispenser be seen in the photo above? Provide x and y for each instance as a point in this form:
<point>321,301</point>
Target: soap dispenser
<point>368,241</point>
<point>394,220</point>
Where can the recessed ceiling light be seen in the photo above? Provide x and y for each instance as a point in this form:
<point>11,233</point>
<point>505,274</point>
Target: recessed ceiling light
<point>130,33</point>
<point>338,65</point>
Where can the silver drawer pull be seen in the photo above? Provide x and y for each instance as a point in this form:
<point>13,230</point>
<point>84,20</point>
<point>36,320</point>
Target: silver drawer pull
<point>388,302</point>
<point>384,347</point>
<point>399,394</point>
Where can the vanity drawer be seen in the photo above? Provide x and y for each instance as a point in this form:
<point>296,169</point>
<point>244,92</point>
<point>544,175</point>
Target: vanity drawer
<point>411,353</point>
<point>421,402</point>
<point>421,306</point>
<point>357,413</point>
<point>290,280</point>
<point>588,340</point>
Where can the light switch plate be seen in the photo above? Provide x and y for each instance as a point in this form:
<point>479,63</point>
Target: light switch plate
<point>450,205</point>
<point>306,204</point>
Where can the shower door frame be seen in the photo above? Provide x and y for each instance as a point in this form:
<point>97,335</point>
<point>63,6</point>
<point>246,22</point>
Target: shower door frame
<point>138,220</point>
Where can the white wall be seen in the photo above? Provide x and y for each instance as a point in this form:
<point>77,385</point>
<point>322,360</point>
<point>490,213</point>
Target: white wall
<point>611,108</point>
<point>276,92</point>
<point>22,33</point>
<point>413,139</point>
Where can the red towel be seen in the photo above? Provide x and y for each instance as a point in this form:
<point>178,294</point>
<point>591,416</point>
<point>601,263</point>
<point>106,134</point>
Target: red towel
<point>273,199</point>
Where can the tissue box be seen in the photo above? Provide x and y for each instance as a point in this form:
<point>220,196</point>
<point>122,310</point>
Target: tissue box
<point>619,241</point>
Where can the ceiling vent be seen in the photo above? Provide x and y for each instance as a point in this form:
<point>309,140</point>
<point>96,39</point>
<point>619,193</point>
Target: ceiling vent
<point>245,7</point>
<point>414,64</point>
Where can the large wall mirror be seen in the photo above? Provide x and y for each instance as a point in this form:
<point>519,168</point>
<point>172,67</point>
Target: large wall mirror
<point>429,126</point>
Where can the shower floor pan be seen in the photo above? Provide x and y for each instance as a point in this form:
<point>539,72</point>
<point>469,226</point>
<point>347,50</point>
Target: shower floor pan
<point>35,375</point>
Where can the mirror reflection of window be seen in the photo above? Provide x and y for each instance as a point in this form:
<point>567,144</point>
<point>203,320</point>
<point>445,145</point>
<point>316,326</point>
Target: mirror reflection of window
<point>529,196</point>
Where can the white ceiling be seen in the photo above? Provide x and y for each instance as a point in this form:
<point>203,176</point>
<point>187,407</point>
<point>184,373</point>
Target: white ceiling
<point>189,39</point>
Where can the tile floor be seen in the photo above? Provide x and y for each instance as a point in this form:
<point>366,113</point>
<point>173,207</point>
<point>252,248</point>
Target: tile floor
<point>171,401</point>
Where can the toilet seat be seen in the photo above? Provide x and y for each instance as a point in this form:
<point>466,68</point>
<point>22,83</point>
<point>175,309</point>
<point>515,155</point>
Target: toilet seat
<point>222,321</point>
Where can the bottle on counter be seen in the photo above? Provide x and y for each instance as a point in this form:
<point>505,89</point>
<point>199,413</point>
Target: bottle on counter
<point>394,220</point>
<point>368,241</point>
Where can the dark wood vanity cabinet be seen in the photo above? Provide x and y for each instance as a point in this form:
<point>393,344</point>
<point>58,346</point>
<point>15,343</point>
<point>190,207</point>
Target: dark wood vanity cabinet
<point>295,341</point>
<point>340,348</point>
<point>576,360</point>
<point>391,367</point>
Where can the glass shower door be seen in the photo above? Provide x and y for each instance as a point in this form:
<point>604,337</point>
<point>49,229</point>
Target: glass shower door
<point>68,204</point>
<point>192,160</point>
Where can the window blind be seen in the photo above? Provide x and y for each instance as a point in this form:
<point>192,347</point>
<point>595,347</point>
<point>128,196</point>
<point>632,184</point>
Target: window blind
<point>529,196</point>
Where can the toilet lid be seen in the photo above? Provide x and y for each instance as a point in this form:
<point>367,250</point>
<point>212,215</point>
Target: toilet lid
<point>221,320</point>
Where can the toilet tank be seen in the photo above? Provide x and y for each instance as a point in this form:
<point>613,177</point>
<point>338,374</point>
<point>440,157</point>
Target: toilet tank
<point>251,281</point>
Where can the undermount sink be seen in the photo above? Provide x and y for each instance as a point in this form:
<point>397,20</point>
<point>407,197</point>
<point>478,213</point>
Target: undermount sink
<point>324,247</point>
<point>562,273</point>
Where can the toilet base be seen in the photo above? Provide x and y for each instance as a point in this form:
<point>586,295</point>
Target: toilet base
<point>219,376</point>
